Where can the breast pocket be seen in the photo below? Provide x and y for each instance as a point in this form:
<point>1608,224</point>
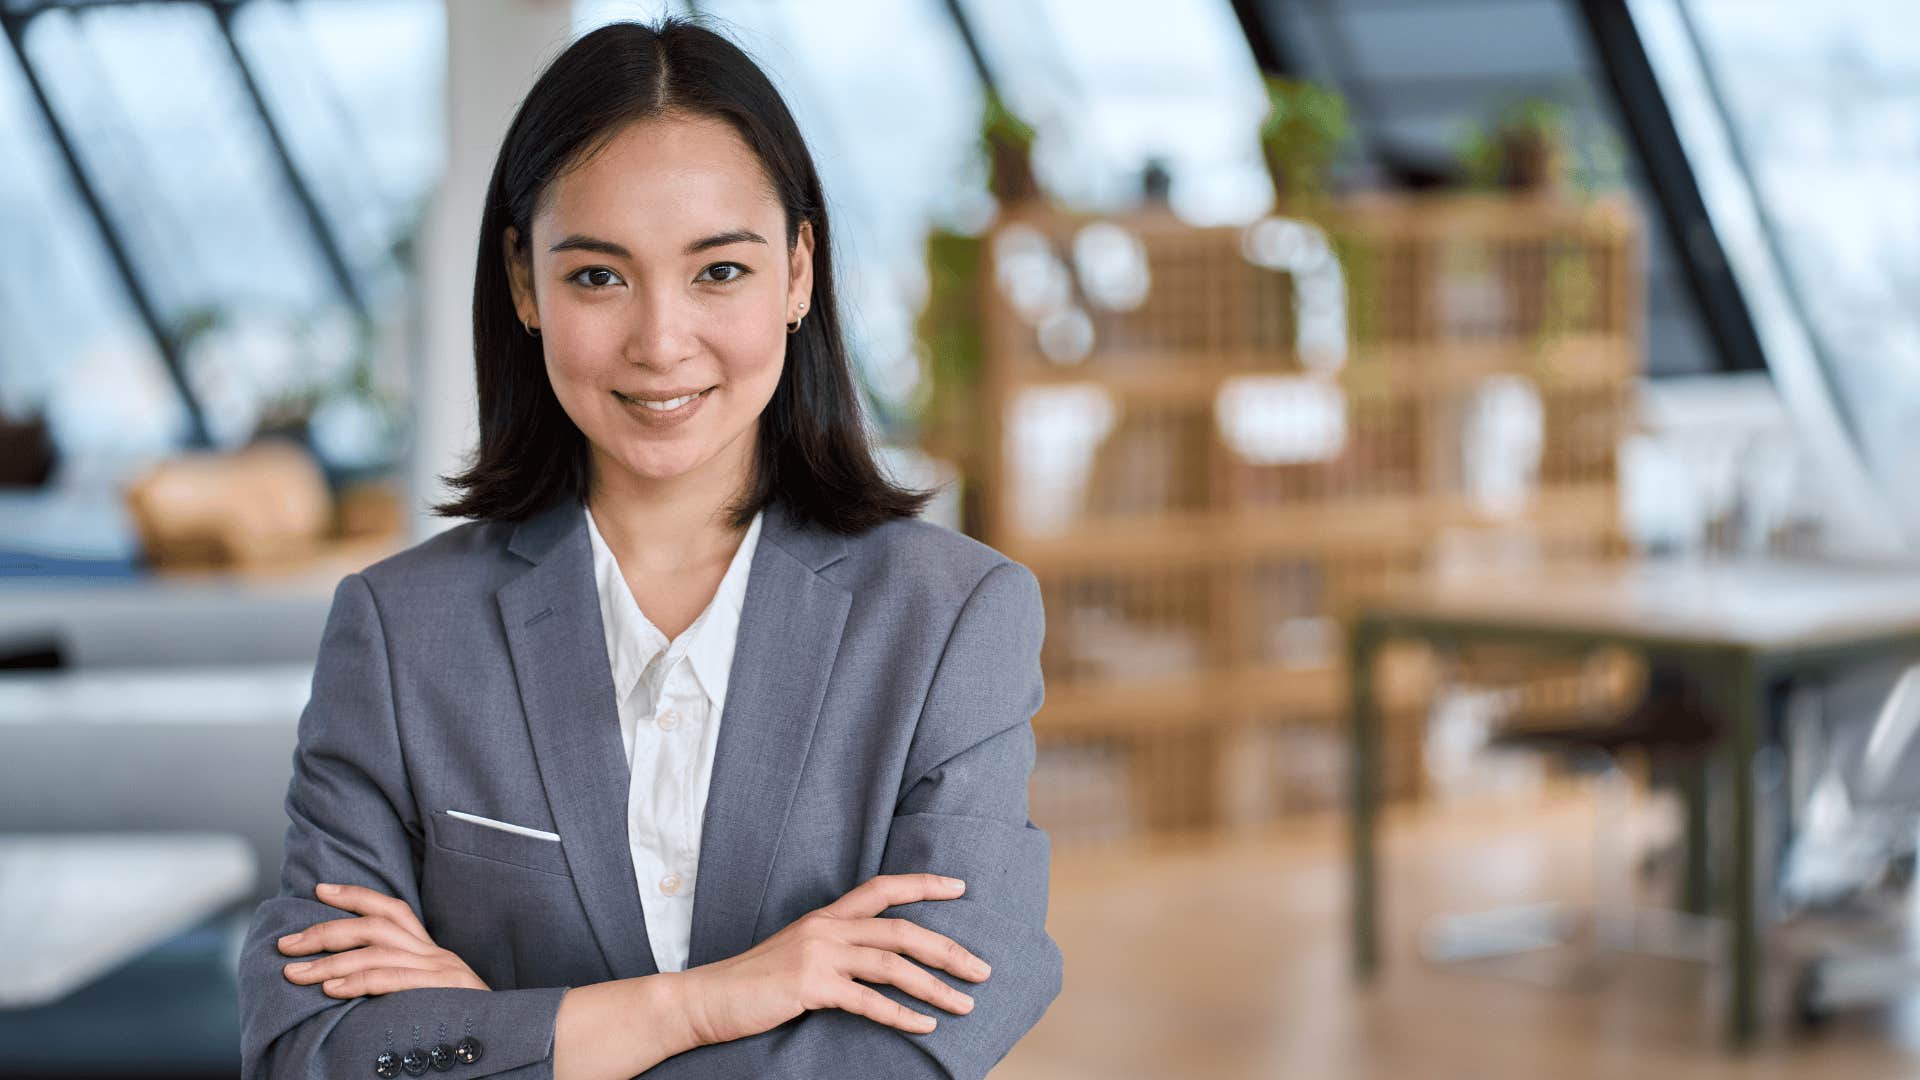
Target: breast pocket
<point>499,841</point>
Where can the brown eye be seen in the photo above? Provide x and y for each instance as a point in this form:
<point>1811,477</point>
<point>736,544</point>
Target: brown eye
<point>738,272</point>
<point>599,277</point>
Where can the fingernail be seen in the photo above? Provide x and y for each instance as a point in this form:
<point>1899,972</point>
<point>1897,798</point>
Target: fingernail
<point>323,888</point>
<point>291,940</point>
<point>298,968</point>
<point>967,1000</point>
<point>954,883</point>
<point>334,984</point>
<point>982,967</point>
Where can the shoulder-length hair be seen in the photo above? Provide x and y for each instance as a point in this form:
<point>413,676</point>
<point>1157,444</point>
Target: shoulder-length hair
<point>813,451</point>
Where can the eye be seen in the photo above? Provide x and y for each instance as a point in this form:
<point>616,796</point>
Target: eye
<point>738,273</point>
<point>595,283</point>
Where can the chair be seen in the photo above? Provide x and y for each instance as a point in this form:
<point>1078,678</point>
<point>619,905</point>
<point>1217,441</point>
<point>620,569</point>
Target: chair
<point>1670,723</point>
<point>1851,862</point>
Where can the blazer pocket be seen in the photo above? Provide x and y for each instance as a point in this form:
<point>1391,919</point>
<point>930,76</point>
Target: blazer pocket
<point>499,841</point>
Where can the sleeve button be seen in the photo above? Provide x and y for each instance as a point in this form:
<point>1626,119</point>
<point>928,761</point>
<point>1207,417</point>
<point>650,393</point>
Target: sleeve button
<point>468,1050</point>
<point>414,1061</point>
<point>440,1057</point>
<point>387,1065</point>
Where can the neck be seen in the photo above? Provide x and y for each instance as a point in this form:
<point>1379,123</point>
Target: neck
<point>669,526</point>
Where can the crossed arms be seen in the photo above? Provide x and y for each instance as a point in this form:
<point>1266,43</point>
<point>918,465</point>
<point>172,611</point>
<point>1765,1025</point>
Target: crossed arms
<point>962,813</point>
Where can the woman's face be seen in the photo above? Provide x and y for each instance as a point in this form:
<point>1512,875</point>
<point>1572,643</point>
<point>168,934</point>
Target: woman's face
<point>657,270</point>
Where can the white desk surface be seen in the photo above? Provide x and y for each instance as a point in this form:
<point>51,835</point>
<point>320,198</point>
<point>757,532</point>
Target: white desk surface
<point>1764,604</point>
<point>74,906</point>
<point>242,693</point>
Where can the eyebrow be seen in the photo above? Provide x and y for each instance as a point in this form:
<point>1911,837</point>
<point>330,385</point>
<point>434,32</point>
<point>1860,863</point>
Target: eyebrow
<point>577,242</point>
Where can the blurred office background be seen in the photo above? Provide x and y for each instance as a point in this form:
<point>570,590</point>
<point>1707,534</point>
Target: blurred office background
<point>1243,323</point>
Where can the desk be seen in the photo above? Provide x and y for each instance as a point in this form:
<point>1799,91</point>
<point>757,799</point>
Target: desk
<point>78,905</point>
<point>1740,627</point>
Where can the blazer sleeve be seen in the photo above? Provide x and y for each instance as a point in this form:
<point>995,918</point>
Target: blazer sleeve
<point>352,820</point>
<point>963,813</point>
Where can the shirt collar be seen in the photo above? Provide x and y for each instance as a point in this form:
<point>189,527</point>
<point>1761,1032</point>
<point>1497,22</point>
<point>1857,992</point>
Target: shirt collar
<point>633,641</point>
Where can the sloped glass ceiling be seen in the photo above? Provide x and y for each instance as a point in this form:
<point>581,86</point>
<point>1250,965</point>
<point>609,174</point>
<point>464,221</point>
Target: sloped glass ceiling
<point>1802,122</point>
<point>269,284</point>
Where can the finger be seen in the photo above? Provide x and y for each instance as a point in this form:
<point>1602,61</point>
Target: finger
<point>881,966</point>
<point>376,981</point>
<point>872,1004</point>
<point>308,972</point>
<point>339,935</point>
<point>365,901</point>
<point>877,894</point>
<point>933,949</point>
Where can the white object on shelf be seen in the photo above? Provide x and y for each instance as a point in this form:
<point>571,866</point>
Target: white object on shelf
<point>79,905</point>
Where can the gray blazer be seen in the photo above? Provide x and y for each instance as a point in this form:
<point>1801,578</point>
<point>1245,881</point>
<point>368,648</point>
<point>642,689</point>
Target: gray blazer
<point>877,722</point>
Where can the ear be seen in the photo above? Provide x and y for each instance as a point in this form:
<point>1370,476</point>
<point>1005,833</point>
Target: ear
<point>518,258</point>
<point>800,272</point>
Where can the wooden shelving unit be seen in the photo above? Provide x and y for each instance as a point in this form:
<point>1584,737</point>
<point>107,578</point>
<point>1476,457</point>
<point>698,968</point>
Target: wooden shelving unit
<point>1204,476</point>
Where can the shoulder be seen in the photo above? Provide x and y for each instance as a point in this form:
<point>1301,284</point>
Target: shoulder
<point>469,558</point>
<point>925,565</point>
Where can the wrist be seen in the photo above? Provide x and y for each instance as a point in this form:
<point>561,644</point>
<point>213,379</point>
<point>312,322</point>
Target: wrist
<point>679,998</point>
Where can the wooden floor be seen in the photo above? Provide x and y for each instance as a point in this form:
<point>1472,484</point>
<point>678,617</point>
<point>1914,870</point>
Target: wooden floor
<point>1232,962</point>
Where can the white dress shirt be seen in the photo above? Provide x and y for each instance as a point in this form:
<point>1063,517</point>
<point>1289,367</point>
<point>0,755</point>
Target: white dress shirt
<point>670,696</point>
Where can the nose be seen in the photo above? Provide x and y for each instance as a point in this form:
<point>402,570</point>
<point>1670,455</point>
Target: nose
<point>660,327</point>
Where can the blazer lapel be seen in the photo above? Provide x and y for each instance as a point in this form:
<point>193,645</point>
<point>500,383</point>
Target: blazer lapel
<point>790,626</point>
<point>552,617</point>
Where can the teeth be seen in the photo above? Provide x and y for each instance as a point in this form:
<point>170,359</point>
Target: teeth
<point>668,406</point>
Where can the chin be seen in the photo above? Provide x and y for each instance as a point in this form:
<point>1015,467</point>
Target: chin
<point>662,466</point>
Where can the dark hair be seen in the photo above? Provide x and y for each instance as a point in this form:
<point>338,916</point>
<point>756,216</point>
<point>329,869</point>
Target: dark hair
<point>813,451</point>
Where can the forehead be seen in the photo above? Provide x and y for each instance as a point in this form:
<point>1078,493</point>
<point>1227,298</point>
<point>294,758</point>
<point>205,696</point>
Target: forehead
<point>662,181</point>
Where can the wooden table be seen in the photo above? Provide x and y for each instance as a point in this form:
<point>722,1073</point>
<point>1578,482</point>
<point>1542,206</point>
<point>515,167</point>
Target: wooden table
<point>76,905</point>
<point>1741,627</point>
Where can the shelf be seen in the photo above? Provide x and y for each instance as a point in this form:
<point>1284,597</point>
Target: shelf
<point>1325,528</point>
<point>1212,699</point>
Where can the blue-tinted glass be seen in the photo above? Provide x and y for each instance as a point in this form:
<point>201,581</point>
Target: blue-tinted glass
<point>1112,83</point>
<point>185,167</point>
<point>1825,103</point>
<point>158,113</point>
<point>1802,123</point>
<point>71,345</point>
<point>356,89</point>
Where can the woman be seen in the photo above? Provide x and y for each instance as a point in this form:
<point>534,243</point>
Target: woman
<point>696,753</point>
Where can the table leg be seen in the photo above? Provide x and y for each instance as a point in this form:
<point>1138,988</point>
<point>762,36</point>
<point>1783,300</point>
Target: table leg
<point>1363,791</point>
<point>1695,884</point>
<point>1741,695</point>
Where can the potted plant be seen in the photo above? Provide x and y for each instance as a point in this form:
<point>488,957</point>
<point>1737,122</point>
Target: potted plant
<point>1526,150</point>
<point>1305,127</point>
<point>1007,141</point>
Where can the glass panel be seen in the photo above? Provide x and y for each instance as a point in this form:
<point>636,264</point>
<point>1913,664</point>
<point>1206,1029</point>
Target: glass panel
<point>183,163</point>
<point>1823,103</point>
<point>158,113</point>
<point>1802,125</point>
<point>71,346</point>
<point>356,87</point>
<point>1109,84</point>
<point>588,14</point>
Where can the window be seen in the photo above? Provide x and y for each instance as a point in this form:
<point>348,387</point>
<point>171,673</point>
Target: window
<point>1802,123</point>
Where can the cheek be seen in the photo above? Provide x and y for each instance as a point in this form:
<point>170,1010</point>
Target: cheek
<point>573,381</point>
<point>753,358</point>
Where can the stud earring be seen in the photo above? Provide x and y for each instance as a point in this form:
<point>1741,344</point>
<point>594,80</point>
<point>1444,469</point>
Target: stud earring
<point>794,326</point>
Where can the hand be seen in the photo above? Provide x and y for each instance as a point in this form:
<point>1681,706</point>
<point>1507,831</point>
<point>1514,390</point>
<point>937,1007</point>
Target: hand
<point>383,950</point>
<point>812,964</point>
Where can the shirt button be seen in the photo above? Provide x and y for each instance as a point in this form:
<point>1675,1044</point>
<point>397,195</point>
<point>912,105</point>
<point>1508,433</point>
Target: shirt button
<point>670,885</point>
<point>668,720</point>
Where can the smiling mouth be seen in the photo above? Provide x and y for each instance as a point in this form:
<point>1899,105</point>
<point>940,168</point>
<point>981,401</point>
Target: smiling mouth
<point>662,406</point>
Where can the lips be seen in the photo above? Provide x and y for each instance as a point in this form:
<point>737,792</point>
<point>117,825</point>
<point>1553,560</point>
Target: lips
<point>662,402</point>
